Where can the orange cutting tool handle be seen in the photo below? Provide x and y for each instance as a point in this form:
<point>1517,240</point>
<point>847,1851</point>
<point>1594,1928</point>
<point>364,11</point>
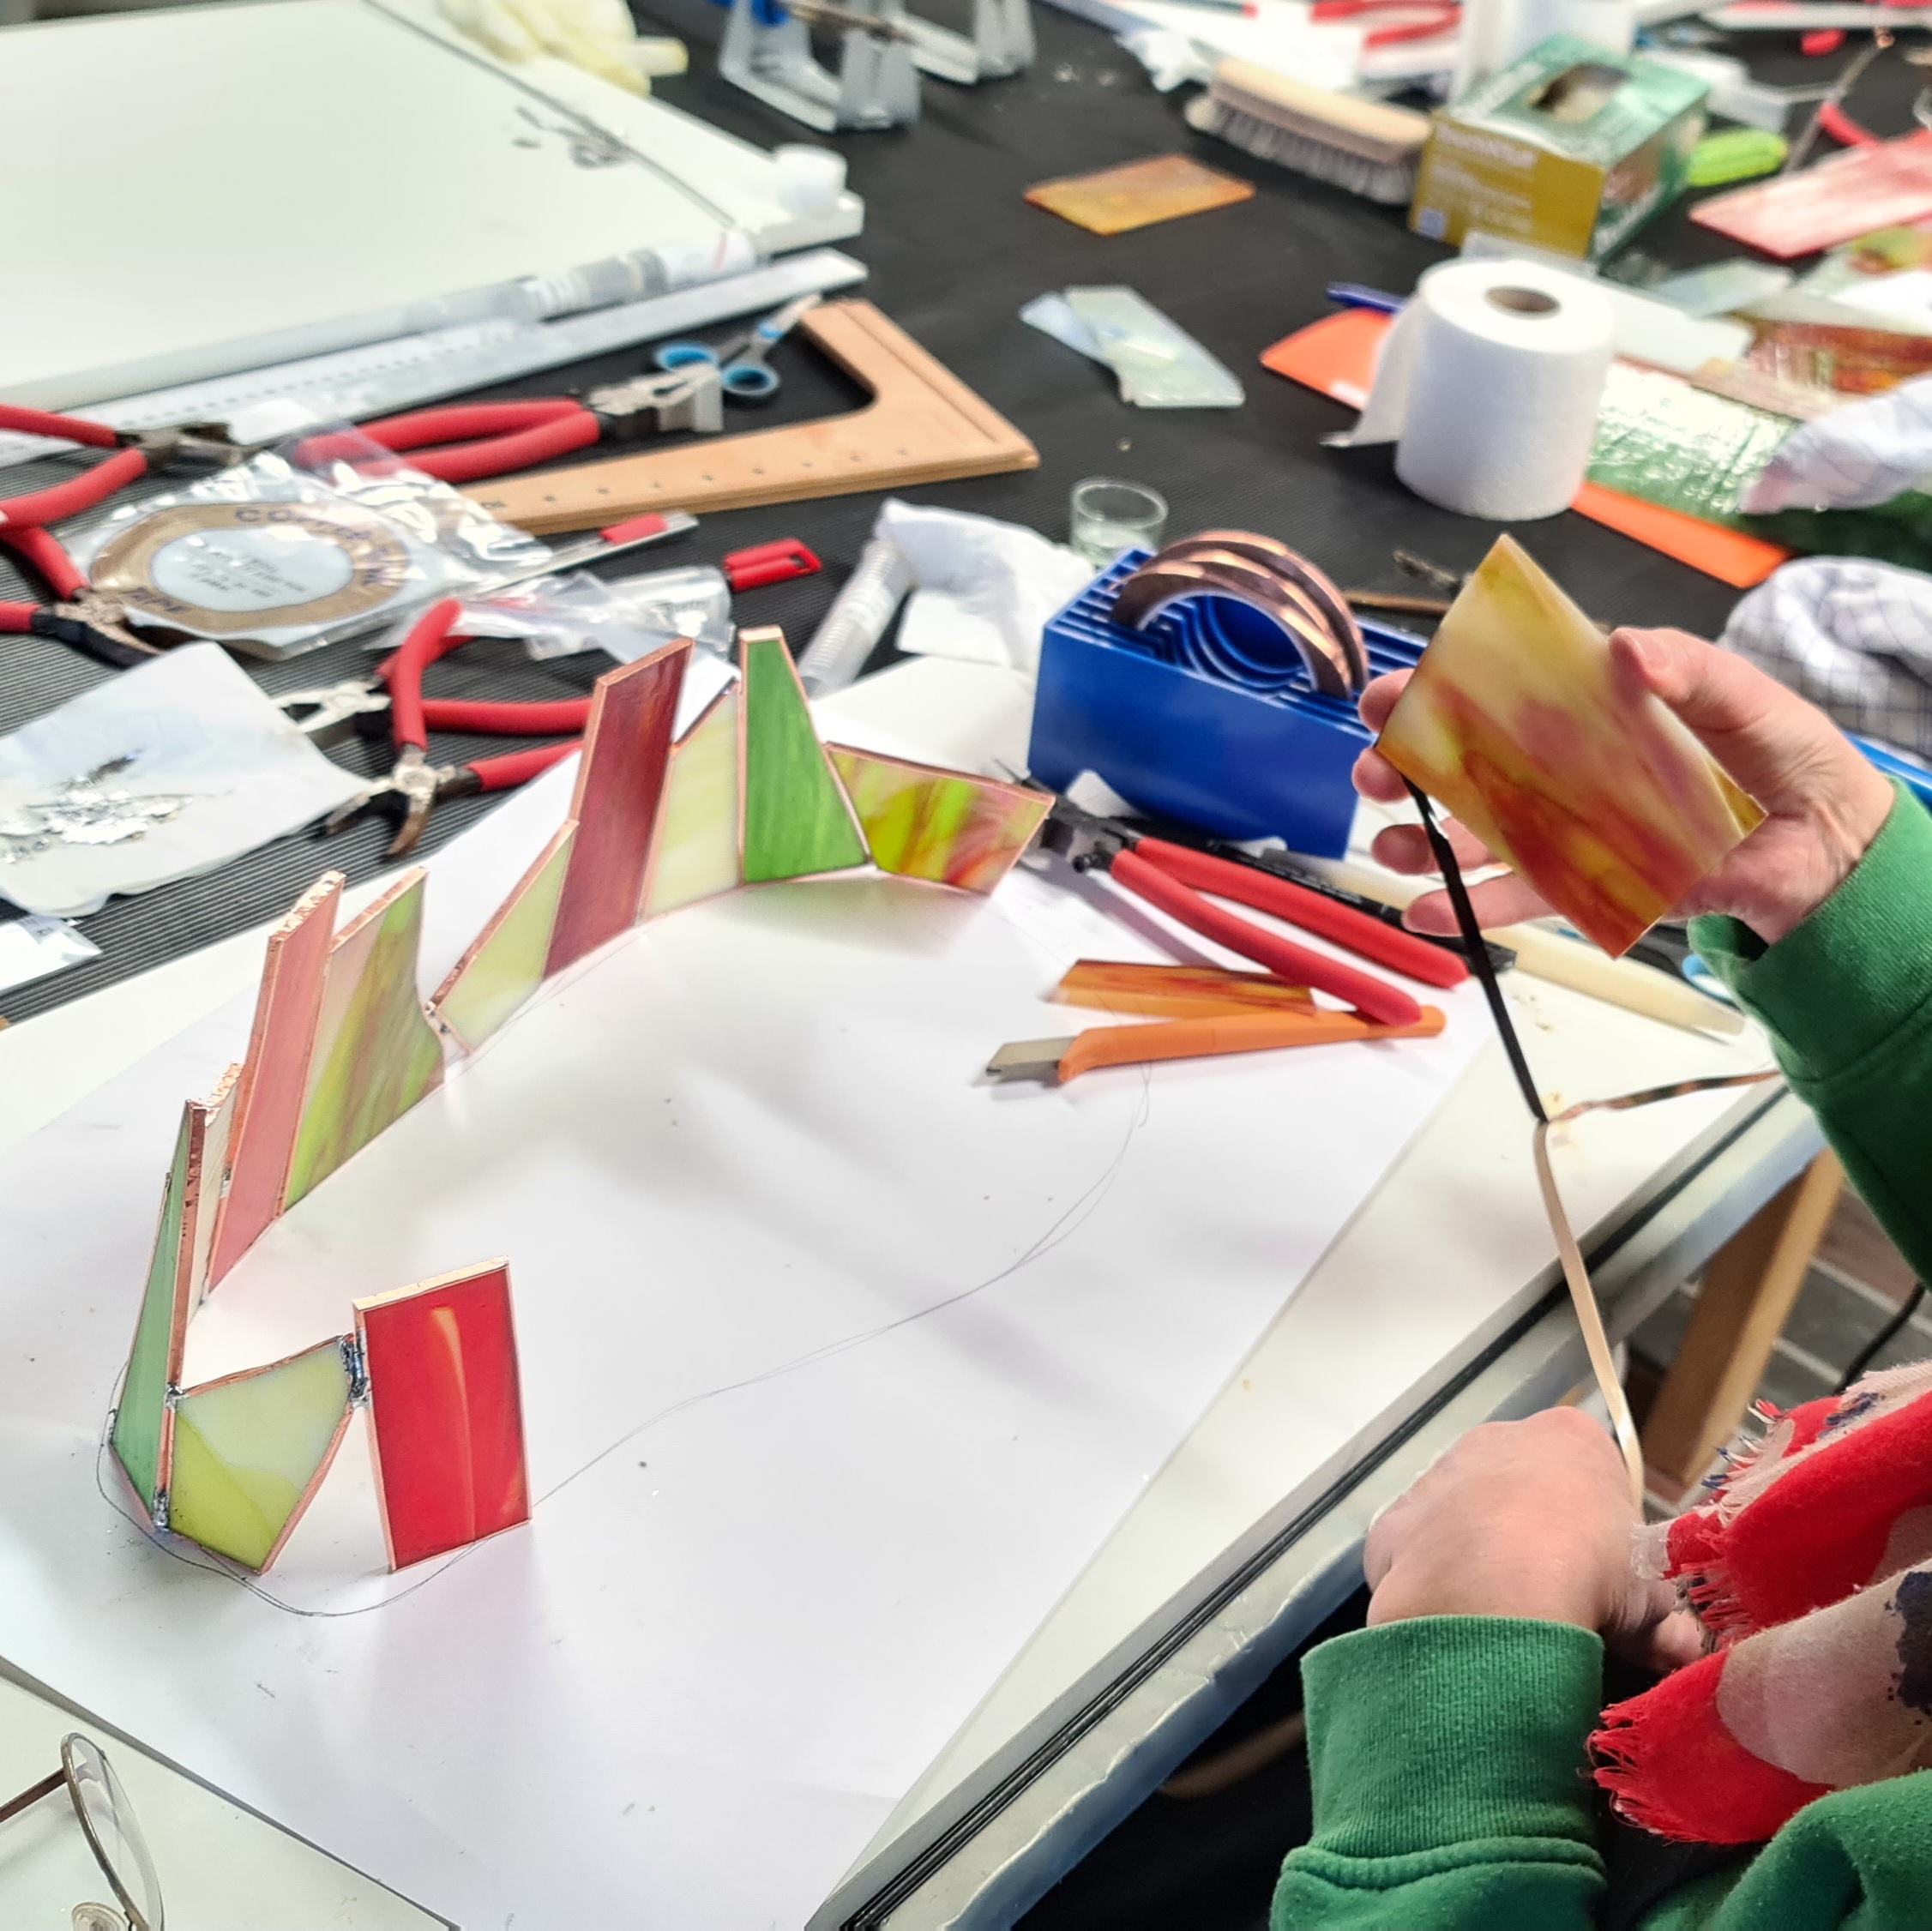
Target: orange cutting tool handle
<point>1375,998</point>
<point>1139,1045</point>
<point>1387,945</point>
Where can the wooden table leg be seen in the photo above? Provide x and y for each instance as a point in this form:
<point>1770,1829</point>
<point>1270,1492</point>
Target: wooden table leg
<point>1748,1291</point>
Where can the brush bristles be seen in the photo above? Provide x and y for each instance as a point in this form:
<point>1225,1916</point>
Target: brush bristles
<point>1322,152</point>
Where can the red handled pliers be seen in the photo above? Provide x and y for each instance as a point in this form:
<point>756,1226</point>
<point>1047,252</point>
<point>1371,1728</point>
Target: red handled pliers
<point>1175,879</point>
<point>465,442</point>
<point>413,779</point>
<point>90,620</point>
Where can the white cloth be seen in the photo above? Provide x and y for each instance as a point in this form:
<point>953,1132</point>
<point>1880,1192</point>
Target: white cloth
<point>1852,637</point>
<point>1854,458</point>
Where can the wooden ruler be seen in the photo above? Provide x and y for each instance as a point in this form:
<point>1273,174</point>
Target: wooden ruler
<point>923,425</point>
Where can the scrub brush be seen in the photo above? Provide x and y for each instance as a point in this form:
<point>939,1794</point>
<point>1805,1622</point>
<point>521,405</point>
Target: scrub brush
<point>1364,146</point>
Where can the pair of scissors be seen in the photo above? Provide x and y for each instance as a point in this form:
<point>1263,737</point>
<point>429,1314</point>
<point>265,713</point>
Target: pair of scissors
<point>741,364</point>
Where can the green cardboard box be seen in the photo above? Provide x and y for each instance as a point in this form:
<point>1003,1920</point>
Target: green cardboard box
<point>1570,148</point>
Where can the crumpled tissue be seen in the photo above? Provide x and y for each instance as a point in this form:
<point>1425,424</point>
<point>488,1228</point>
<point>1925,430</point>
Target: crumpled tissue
<point>985,589</point>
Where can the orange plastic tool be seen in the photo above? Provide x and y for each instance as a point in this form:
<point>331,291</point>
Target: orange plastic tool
<point>1057,1061</point>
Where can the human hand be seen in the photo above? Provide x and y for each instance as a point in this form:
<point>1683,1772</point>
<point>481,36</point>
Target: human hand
<point>1525,1518</point>
<point>1824,804</point>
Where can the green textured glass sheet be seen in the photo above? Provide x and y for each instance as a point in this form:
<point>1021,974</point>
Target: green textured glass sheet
<point>796,819</point>
<point>697,854</point>
<point>250,1452</point>
<point>376,1054</point>
<point>1663,441</point>
<point>944,825</point>
<point>506,964</point>
<point>140,1421</point>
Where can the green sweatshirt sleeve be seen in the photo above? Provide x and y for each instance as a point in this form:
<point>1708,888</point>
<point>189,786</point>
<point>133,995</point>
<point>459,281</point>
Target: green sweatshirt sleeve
<point>1847,999</point>
<point>1450,1790</point>
<point>1451,1795</point>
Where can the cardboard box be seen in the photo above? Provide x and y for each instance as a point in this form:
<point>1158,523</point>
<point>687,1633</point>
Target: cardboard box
<point>1570,148</point>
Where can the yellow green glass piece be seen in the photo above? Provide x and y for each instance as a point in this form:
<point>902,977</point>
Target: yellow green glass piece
<point>250,1451</point>
<point>376,1054</point>
<point>697,854</point>
<point>140,1421</point>
<point>506,964</point>
<point>944,825</point>
<point>796,822</point>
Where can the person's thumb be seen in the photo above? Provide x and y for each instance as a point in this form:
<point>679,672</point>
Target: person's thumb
<point>1774,744</point>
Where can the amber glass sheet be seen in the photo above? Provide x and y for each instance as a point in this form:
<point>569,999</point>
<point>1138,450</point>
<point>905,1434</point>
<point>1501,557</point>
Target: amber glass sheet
<point>1517,720</point>
<point>376,1054</point>
<point>697,854</point>
<point>1178,991</point>
<point>446,1412</point>
<point>1138,193</point>
<point>250,1451</point>
<point>506,964</point>
<point>944,825</point>
<point>796,822</point>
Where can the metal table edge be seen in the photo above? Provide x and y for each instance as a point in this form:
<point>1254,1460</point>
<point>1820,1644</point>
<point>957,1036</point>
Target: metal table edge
<point>985,1852</point>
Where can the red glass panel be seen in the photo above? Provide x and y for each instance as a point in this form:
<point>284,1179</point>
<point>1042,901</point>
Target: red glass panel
<point>445,1413</point>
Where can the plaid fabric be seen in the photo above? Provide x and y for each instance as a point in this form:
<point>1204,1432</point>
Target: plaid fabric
<point>1853,637</point>
<point>1853,458</point>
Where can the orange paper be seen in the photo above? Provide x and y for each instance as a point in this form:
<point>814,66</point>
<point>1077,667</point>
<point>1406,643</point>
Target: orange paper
<point>1138,195</point>
<point>1591,789</point>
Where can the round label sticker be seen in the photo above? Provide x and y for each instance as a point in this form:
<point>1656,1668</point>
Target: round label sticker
<point>229,567</point>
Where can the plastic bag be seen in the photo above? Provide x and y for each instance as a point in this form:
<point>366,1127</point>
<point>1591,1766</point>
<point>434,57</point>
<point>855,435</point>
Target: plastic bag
<point>627,616</point>
<point>322,538</point>
<point>1159,366</point>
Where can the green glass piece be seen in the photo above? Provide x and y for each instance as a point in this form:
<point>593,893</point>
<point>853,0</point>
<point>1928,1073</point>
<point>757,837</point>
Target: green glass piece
<point>796,819</point>
<point>376,1054</point>
<point>249,1451</point>
<point>697,854</point>
<point>1661,441</point>
<point>142,1418</point>
<point>506,965</point>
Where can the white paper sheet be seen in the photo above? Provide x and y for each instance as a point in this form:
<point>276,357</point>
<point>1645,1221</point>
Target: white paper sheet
<point>839,1366</point>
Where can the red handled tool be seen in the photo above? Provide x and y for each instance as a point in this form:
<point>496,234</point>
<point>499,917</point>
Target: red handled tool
<point>1402,20</point>
<point>413,779</point>
<point>1175,879</point>
<point>465,442</point>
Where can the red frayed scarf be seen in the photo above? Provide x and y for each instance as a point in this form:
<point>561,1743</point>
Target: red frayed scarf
<point>1810,1569</point>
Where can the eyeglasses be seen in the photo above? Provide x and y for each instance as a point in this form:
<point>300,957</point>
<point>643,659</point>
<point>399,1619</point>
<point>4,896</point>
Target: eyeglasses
<point>107,1819</point>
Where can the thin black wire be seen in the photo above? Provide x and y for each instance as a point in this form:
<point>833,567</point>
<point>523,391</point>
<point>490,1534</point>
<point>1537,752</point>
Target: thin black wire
<point>1866,1355</point>
<point>1478,951</point>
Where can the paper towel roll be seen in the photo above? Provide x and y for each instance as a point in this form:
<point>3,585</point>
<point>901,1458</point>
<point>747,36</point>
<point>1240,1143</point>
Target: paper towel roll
<point>1496,371</point>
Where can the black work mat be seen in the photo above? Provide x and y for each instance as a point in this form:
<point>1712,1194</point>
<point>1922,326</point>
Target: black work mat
<point>954,253</point>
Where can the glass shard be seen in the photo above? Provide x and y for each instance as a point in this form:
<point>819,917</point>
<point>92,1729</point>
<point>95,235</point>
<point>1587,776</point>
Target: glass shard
<point>1591,789</point>
<point>250,1451</point>
<point>923,823</point>
<point>797,820</point>
<point>697,854</point>
<point>1177,991</point>
<point>506,964</point>
<point>376,1054</point>
<point>445,1411</point>
<point>218,1134</point>
<point>627,751</point>
<point>141,1421</point>
<point>275,1075</point>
